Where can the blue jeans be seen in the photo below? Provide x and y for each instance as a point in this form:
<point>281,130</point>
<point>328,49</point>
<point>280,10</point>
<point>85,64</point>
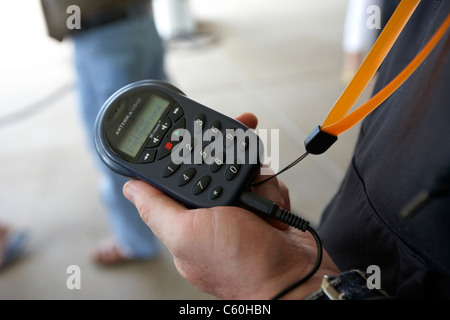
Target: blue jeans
<point>107,58</point>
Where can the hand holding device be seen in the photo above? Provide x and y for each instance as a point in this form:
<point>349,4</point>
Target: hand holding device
<point>137,135</point>
<point>230,252</point>
<point>151,131</point>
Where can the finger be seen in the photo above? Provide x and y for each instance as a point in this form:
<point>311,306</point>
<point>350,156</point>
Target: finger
<point>269,189</point>
<point>160,212</point>
<point>284,191</point>
<point>249,119</point>
<point>276,191</point>
<point>285,195</point>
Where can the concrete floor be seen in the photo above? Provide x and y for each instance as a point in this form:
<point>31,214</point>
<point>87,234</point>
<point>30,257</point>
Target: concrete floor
<point>279,61</point>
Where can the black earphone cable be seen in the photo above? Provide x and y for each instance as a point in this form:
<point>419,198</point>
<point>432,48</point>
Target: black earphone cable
<point>303,156</point>
<point>269,209</point>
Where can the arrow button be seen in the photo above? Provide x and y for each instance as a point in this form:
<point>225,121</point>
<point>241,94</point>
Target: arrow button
<point>148,156</point>
<point>176,112</point>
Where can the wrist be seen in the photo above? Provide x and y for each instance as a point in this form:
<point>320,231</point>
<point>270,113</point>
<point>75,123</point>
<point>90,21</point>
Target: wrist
<point>311,286</point>
<point>298,269</point>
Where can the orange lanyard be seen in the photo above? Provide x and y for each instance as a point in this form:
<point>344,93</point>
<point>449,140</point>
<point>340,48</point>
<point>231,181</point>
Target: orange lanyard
<point>338,120</point>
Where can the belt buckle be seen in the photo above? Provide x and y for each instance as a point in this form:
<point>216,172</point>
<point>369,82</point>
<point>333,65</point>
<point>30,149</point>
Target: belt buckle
<point>330,291</point>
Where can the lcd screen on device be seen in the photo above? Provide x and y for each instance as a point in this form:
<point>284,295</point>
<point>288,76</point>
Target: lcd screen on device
<point>141,127</point>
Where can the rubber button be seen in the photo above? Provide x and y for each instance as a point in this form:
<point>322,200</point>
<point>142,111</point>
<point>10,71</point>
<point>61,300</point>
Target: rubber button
<point>176,112</point>
<point>201,185</point>
<point>168,144</point>
<point>148,156</point>
<point>229,138</point>
<point>170,169</point>
<point>232,171</point>
<point>185,177</point>
<point>199,122</point>
<point>215,193</point>
<point>218,162</point>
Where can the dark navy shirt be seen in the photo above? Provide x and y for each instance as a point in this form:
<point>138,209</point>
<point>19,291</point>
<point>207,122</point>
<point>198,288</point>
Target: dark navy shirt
<point>403,149</point>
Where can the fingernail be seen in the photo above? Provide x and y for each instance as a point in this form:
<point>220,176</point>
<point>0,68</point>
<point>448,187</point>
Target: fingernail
<point>128,190</point>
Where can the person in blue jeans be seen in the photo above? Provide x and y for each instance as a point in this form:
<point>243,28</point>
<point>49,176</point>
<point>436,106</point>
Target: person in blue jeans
<point>114,47</point>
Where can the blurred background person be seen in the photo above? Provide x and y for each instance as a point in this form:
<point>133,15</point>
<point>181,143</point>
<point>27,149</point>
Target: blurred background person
<point>364,21</point>
<point>12,244</point>
<point>358,38</point>
<point>115,43</point>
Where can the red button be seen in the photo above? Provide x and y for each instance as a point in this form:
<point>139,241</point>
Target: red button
<point>168,145</point>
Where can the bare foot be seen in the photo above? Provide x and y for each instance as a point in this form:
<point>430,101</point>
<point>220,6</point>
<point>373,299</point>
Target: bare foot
<point>108,253</point>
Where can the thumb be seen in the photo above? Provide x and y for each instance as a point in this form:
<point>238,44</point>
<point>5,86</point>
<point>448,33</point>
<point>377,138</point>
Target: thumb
<point>155,208</point>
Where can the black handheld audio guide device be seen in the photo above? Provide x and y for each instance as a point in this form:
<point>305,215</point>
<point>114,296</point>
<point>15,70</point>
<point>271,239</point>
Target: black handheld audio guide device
<point>151,131</point>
